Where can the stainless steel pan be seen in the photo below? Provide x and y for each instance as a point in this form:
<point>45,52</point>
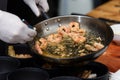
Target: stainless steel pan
<point>93,25</point>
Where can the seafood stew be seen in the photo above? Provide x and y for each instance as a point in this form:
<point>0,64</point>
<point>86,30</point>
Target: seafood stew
<point>69,41</point>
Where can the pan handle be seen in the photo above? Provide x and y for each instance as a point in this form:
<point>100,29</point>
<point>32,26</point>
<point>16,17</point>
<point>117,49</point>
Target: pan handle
<point>43,13</point>
<point>30,26</point>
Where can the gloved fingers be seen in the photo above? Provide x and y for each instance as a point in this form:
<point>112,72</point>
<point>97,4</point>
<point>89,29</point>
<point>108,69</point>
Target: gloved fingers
<point>29,39</point>
<point>31,33</point>
<point>25,39</point>
<point>13,30</point>
<point>35,9</point>
<point>44,5</point>
<point>21,42</point>
<point>27,35</point>
<point>33,6</point>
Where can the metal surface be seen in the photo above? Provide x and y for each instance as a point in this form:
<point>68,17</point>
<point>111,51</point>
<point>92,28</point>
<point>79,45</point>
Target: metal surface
<point>93,25</point>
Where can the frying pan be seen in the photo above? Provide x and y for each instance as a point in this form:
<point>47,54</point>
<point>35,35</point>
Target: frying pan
<point>90,24</point>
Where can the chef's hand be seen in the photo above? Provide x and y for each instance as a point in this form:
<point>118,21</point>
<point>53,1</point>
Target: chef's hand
<point>35,5</point>
<point>13,30</point>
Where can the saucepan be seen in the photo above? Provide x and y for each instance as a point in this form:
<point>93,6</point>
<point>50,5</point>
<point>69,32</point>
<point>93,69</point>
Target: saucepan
<point>95,26</point>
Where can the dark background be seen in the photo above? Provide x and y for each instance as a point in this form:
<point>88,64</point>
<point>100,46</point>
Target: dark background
<point>19,8</point>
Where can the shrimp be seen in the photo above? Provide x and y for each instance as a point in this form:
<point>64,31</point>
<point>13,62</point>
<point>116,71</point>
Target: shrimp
<point>54,38</point>
<point>74,26</point>
<point>41,44</point>
<point>63,30</point>
<point>37,47</point>
<point>77,38</point>
<point>90,47</point>
<point>96,46</point>
<point>81,32</point>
